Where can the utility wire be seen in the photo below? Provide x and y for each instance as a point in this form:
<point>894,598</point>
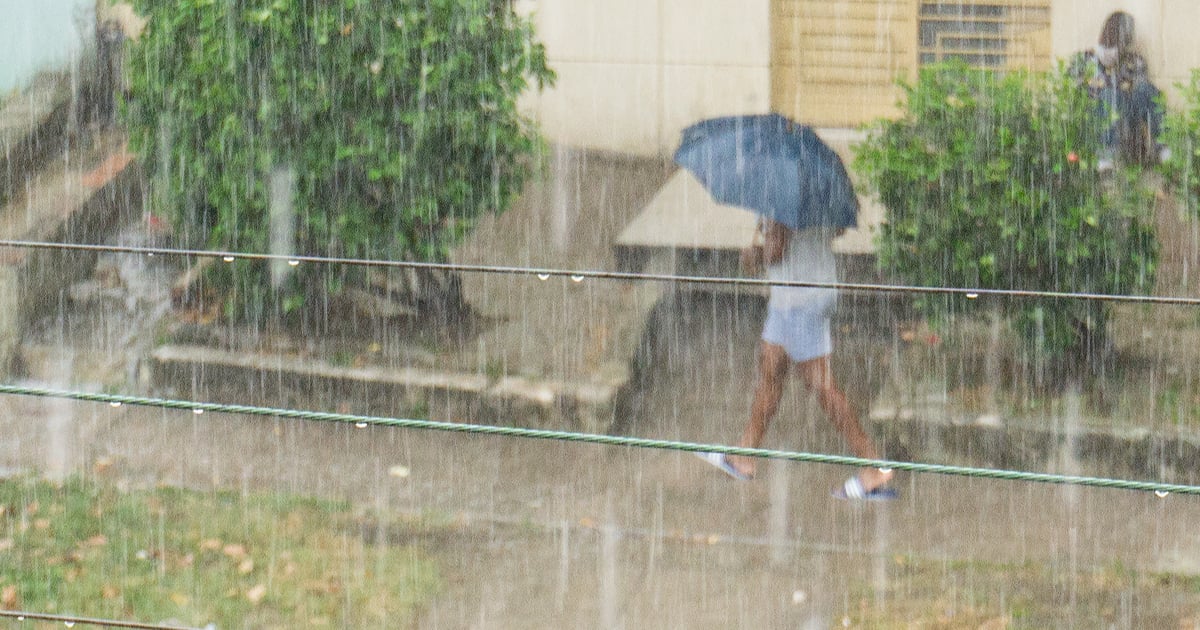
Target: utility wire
<point>71,621</point>
<point>1162,489</point>
<point>580,274</point>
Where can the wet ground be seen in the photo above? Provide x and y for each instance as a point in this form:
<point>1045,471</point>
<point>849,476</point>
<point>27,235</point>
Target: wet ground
<point>550,535</point>
<point>554,535</point>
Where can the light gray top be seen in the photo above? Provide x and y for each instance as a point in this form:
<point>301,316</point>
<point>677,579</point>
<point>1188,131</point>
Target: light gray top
<point>808,257</point>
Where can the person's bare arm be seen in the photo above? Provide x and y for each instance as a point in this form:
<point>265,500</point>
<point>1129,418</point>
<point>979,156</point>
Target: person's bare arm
<point>752,257</point>
<point>775,239</point>
<point>770,242</point>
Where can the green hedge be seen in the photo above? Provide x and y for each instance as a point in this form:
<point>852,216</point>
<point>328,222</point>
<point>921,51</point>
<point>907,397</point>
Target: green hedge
<point>1181,132</point>
<point>990,181</point>
<point>391,126</point>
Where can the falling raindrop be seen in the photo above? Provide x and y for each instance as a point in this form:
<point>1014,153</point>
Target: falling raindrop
<point>543,276</point>
<point>1162,494</point>
<point>577,278</point>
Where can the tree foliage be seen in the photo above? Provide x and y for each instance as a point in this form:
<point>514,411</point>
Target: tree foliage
<point>990,181</point>
<point>371,129</point>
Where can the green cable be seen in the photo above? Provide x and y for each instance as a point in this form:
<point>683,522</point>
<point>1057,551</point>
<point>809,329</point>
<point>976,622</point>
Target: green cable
<point>610,440</point>
<point>71,621</point>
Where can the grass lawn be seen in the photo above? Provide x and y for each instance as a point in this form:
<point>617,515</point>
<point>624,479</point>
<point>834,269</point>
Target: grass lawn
<point>922,593</point>
<point>195,558</point>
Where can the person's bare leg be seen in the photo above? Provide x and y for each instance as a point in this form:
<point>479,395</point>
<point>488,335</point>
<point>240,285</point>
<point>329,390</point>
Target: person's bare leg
<point>773,365</point>
<point>818,377</point>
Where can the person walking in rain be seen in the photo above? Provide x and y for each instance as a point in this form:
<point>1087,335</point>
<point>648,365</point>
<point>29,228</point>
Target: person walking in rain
<point>797,185</point>
<point>1116,76</point>
<point>797,335</point>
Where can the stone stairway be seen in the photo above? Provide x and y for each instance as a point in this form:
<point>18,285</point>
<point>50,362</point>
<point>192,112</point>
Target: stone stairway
<point>60,184</point>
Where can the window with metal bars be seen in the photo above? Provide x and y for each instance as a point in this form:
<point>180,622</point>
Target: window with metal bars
<point>995,35</point>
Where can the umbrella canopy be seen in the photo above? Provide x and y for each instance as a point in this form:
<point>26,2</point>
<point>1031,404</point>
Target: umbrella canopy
<point>773,166</point>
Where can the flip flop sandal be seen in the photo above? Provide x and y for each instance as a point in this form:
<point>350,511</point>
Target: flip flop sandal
<point>720,461</point>
<point>853,490</point>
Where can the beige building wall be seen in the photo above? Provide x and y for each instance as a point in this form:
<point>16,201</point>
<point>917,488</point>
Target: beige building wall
<point>633,73</point>
<point>1165,28</point>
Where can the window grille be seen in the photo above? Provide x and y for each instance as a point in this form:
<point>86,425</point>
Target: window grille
<point>994,34</point>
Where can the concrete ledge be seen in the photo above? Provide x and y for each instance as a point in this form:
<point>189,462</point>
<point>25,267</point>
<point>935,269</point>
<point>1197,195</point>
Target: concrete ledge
<point>700,237</point>
<point>214,375</point>
<point>926,433</point>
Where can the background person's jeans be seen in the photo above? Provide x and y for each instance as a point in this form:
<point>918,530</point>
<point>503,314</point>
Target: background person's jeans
<point>1132,135</point>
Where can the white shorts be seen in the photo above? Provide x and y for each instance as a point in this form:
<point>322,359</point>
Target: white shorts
<point>803,329</point>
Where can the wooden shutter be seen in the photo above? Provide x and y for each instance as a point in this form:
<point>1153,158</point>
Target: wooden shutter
<point>835,62</point>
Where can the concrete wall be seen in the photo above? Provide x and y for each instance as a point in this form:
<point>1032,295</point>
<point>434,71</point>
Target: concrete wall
<point>633,73</point>
<point>1165,29</point>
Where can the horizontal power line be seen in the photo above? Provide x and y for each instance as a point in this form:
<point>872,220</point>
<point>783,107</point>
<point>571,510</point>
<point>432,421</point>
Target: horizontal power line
<point>545,273</point>
<point>1162,489</point>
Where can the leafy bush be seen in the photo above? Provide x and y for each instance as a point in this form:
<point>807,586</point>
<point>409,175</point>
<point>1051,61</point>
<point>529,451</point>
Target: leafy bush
<point>1181,132</point>
<point>387,127</point>
<point>989,181</point>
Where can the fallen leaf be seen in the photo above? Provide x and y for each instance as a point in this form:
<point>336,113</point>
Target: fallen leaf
<point>999,623</point>
<point>6,544</point>
<point>9,598</point>
<point>211,544</point>
<point>234,551</point>
<point>399,471</point>
<point>180,599</point>
<point>102,465</point>
<point>108,591</point>
<point>41,523</point>
<point>256,594</point>
<point>99,540</point>
<point>247,566</point>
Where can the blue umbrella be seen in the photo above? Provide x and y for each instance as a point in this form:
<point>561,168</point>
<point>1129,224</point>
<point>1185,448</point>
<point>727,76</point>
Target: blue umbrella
<point>773,166</point>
